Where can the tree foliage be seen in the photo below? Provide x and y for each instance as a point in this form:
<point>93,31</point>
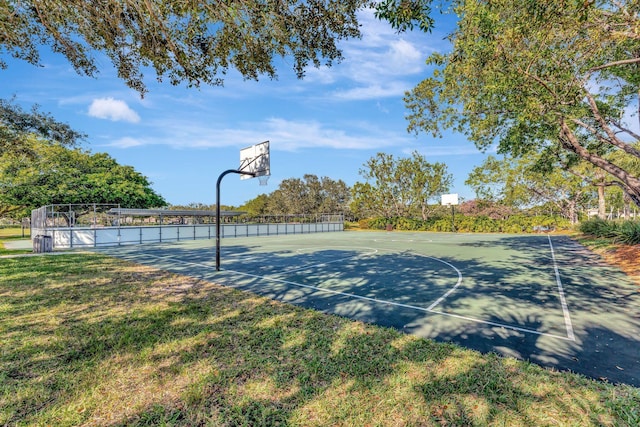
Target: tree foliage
<point>399,187</point>
<point>544,77</point>
<point>256,206</point>
<point>54,174</point>
<point>403,15</point>
<point>196,42</point>
<point>310,195</point>
<point>518,183</point>
<point>17,125</point>
<point>487,208</point>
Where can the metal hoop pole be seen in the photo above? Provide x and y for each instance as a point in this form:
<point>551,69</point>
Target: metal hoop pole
<point>218,228</point>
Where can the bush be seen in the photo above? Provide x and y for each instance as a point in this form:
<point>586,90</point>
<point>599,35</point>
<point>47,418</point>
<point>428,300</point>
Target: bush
<point>627,232</point>
<point>469,223</point>
<point>380,223</point>
<point>441,225</point>
<point>593,227</point>
<point>364,224</point>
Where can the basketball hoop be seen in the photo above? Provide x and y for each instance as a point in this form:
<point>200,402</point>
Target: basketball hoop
<point>254,163</point>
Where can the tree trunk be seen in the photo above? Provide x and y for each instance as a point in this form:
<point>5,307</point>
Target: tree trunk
<point>602,208</point>
<point>573,213</point>
<point>626,209</point>
<point>629,183</point>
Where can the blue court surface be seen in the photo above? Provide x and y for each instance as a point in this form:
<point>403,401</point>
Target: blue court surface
<point>541,298</point>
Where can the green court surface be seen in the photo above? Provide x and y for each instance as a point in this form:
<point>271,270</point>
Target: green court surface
<point>536,297</point>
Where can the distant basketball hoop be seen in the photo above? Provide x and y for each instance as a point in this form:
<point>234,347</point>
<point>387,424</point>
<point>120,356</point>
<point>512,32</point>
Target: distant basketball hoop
<point>263,180</point>
<point>451,200</point>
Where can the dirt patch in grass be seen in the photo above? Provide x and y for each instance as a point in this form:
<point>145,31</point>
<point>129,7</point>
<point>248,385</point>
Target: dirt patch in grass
<point>628,259</point>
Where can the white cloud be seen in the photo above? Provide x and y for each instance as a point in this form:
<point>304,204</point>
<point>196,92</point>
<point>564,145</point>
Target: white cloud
<point>374,91</point>
<point>382,64</point>
<point>405,57</point>
<point>113,109</point>
<point>127,142</point>
<point>287,135</point>
<point>322,75</point>
<point>441,149</point>
<point>291,135</point>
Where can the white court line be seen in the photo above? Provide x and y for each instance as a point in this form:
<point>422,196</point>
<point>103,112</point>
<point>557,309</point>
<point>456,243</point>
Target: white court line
<point>397,304</point>
<point>563,301</point>
<point>515,328</point>
<point>375,300</point>
<point>450,291</point>
<point>437,302</point>
<point>293,270</point>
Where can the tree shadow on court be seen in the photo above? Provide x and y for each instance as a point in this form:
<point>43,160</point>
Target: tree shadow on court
<point>508,305</point>
<point>603,309</point>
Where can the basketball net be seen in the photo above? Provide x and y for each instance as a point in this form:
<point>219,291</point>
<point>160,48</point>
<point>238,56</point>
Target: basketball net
<point>263,179</point>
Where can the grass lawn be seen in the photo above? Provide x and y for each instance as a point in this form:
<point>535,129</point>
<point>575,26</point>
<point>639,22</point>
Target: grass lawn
<point>92,340</point>
<point>12,233</point>
<point>9,233</point>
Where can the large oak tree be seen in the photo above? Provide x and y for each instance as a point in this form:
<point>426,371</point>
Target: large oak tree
<point>41,164</point>
<point>185,41</point>
<point>18,125</point>
<point>558,78</point>
<point>195,42</point>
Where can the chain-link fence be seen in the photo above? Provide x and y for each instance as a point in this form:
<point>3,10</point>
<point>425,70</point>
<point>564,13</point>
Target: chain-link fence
<point>96,225</point>
<point>73,215</point>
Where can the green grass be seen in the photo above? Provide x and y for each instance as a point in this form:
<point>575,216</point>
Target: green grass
<point>9,233</point>
<point>12,233</point>
<point>91,340</point>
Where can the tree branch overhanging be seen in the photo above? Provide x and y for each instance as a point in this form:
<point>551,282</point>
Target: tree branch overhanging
<point>570,142</point>
<point>615,64</point>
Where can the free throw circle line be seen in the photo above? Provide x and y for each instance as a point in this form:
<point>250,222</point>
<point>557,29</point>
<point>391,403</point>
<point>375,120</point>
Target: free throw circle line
<point>375,300</point>
<point>397,304</point>
<point>292,270</point>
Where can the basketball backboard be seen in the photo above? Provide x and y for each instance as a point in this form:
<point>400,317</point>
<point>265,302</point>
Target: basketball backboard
<point>255,160</point>
<point>449,200</point>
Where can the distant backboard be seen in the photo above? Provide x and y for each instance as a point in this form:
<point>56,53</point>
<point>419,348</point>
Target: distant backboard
<point>449,200</point>
<point>255,159</point>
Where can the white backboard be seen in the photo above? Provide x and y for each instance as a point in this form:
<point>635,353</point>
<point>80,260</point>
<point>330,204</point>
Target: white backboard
<point>449,200</point>
<point>255,159</point>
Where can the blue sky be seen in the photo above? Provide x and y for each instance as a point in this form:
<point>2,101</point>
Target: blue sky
<point>327,124</point>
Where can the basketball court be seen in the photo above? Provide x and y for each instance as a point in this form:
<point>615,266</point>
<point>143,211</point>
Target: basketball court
<point>536,297</point>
